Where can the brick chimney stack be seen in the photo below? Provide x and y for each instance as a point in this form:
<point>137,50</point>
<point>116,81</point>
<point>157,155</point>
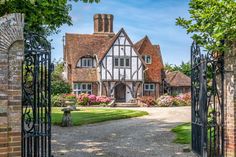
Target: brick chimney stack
<point>103,24</point>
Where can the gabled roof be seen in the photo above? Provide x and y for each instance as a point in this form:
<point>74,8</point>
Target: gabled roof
<point>138,44</point>
<point>158,49</point>
<point>145,47</point>
<point>112,41</point>
<point>83,44</point>
<point>177,79</point>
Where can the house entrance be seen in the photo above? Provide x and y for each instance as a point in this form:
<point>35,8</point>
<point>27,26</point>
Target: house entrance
<point>120,92</point>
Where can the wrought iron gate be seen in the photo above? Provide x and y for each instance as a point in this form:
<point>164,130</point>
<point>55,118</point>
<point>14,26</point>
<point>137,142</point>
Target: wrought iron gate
<point>207,87</point>
<point>36,110</point>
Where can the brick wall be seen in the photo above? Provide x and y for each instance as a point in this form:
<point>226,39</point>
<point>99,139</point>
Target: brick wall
<point>11,55</point>
<point>230,103</point>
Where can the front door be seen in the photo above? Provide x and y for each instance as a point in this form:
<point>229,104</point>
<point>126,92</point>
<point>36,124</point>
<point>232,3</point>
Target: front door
<point>120,92</point>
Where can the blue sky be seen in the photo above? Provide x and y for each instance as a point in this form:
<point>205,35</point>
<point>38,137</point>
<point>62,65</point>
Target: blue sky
<point>155,18</point>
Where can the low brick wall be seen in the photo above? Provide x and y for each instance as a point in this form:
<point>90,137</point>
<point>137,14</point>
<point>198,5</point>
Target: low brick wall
<point>11,56</point>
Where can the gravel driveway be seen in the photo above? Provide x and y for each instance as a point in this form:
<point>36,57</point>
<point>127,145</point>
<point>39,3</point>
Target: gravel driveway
<point>147,136</point>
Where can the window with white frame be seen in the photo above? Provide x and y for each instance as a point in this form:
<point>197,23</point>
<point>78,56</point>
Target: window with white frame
<point>149,87</point>
<point>122,62</point>
<point>147,59</point>
<point>79,88</point>
<point>86,62</point>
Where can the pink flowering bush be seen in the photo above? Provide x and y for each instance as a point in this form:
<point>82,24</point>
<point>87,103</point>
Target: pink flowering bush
<point>179,100</point>
<point>165,101</point>
<point>183,99</point>
<point>103,99</point>
<point>83,99</point>
<point>90,99</point>
<point>147,100</point>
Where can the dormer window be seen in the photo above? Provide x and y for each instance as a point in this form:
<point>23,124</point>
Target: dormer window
<point>86,62</point>
<point>147,59</point>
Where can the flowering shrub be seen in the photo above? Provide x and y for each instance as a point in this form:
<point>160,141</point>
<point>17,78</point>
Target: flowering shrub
<point>165,101</point>
<point>149,101</point>
<point>86,99</point>
<point>186,97</point>
<point>179,100</point>
<point>103,99</point>
<point>92,98</point>
<point>83,99</point>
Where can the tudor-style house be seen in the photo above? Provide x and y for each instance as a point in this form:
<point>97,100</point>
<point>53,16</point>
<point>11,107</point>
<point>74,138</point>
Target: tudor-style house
<point>105,63</point>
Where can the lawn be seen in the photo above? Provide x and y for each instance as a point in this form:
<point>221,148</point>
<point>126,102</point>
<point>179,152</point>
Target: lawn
<point>95,115</point>
<point>183,133</point>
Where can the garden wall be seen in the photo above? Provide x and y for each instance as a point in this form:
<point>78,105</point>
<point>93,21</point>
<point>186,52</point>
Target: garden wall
<point>230,103</point>
<point>11,56</point>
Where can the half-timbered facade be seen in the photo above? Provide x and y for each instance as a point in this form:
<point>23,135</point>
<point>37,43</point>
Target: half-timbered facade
<point>105,63</point>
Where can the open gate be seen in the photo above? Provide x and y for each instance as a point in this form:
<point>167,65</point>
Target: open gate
<point>207,88</point>
<point>36,100</point>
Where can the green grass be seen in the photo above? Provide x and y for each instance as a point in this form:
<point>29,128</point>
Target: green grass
<point>94,115</point>
<point>183,133</point>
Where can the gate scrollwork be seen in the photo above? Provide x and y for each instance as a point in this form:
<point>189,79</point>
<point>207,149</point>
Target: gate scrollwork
<point>36,99</point>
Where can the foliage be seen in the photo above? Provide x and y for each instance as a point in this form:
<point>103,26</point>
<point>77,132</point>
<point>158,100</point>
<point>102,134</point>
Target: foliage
<point>41,16</point>
<point>95,115</point>
<point>184,97</point>
<point>211,22</point>
<point>90,99</point>
<point>83,99</point>
<point>183,67</point>
<point>179,100</point>
<point>59,86</point>
<point>103,99</point>
<point>165,101</point>
<point>57,100</point>
<point>149,101</point>
<point>70,96</point>
<point>183,133</point>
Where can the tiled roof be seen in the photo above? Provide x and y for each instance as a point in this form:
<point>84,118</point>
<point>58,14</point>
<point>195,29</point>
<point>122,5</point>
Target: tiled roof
<point>85,44</point>
<point>145,47</point>
<point>138,44</point>
<point>177,79</point>
<point>84,75</point>
<point>79,45</point>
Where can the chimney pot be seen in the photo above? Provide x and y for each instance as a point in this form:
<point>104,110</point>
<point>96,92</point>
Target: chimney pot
<point>103,24</point>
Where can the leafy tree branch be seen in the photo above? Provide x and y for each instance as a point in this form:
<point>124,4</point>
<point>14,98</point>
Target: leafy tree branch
<point>41,16</point>
<point>212,23</point>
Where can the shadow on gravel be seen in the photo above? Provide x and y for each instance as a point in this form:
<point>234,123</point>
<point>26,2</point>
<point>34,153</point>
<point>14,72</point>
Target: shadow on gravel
<point>121,138</point>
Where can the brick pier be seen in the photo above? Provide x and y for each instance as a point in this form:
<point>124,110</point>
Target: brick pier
<point>11,56</point>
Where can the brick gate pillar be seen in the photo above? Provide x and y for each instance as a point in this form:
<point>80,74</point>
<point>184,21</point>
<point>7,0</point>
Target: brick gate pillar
<point>230,103</point>
<point>11,56</point>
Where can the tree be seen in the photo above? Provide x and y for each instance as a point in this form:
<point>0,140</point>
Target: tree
<point>183,67</point>
<point>41,16</point>
<point>59,86</point>
<point>212,22</point>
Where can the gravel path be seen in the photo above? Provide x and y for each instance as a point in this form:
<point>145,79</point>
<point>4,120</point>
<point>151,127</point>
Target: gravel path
<point>147,136</point>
